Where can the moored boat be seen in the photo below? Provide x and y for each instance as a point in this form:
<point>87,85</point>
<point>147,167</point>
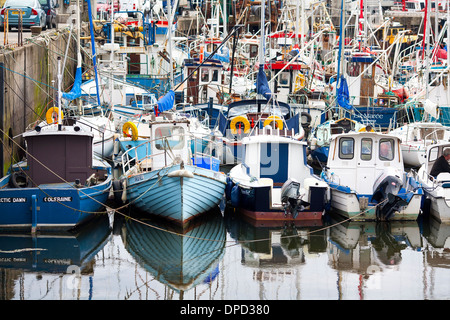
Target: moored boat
<point>60,185</point>
<point>436,189</point>
<point>243,116</point>
<point>161,175</point>
<point>416,137</point>
<point>274,181</point>
<point>367,179</point>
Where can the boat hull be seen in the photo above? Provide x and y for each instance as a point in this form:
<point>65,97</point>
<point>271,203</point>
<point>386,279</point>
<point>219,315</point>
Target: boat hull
<point>256,203</point>
<point>440,209</point>
<point>413,155</point>
<point>52,206</point>
<point>177,197</point>
<point>347,204</point>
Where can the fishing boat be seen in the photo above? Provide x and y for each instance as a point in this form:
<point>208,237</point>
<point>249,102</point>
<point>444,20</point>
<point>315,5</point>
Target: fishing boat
<point>60,185</point>
<point>162,176</point>
<point>367,179</point>
<point>274,181</point>
<point>436,190</point>
<point>416,137</point>
<point>242,116</point>
<point>321,135</point>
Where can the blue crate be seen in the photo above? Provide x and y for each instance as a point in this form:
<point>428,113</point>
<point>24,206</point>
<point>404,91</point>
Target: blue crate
<point>205,162</point>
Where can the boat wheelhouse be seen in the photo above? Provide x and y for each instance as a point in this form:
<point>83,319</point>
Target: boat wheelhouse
<point>367,179</point>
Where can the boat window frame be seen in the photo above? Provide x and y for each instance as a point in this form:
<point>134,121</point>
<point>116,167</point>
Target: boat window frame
<point>204,74</point>
<point>433,151</point>
<point>163,146</point>
<point>284,79</point>
<point>382,141</point>
<point>214,75</point>
<point>366,156</point>
<point>346,156</point>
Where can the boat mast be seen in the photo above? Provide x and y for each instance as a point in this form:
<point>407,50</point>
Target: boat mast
<point>262,42</point>
<point>111,57</point>
<point>169,32</point>
<point>59,94</point>
<point>79,104</point>
<point>448,55</point>
<point>94,55</point>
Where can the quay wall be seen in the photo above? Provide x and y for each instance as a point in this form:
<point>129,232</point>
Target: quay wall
<point>29,86</point>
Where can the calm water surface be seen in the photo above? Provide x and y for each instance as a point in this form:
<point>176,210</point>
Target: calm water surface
<point>225,257</point>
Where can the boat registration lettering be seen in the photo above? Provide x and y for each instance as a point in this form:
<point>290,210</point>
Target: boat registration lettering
<point>13,200</point>
<point>57,199</point>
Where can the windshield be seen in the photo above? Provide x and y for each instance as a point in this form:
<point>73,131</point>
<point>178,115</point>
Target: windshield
<point>171,137</point>
<point>252,108</point>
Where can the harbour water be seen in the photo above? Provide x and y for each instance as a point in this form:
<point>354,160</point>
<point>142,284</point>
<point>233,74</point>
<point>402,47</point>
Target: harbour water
<point>222,257</point>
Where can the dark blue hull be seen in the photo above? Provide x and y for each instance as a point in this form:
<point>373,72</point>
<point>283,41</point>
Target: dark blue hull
<point>52,206</point>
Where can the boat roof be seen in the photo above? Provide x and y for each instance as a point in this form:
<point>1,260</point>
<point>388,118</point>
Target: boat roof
<point>257,105</point>
<point>52,130</point>
<point>271,138</point>
<point>364,134</point>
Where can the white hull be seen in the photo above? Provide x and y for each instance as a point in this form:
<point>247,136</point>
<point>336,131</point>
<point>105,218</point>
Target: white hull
<point>348,205</point>
<point>413,155</point>
<point>440,209</point>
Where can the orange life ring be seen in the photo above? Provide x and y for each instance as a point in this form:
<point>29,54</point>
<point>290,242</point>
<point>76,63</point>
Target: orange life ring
<point>52,115</point>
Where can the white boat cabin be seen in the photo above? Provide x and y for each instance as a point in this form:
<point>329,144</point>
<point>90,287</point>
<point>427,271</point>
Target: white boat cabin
<point>422,132</point>
<point>169,142</point>
<point>433,153</point>
<point>356,160</point>
<point>271,156</point>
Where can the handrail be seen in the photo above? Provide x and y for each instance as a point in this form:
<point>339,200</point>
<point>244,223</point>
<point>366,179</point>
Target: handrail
<point>129,162</point>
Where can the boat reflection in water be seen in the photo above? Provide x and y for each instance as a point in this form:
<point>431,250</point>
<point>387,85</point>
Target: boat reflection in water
<point>374,252</point>
<point>178,258</point>
<point>438,236</point>
<point>275,251</point>
<point>364,244</point>
<point>70,254</point>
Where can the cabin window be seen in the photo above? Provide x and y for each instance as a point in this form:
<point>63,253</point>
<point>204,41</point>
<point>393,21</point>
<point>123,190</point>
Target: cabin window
<point>204,75</point>
<point>253,51</point>
<point>215,75</point>
<point>434,79</point>
<point>170,137</point>
<point>284,80</point>
<point>434,152</point>
<point>353,69</point>
<point>386,152</point>
<point>346,148</point>
<point>368,71</point>
<point>366,149</point>
<point>432,133</point>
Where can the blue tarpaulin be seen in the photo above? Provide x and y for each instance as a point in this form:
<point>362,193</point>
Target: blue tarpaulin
<point>262,86</point>
<point>223,55</point>
<point>75,92</point>
<point>343,97</point>
<point>167,101</point>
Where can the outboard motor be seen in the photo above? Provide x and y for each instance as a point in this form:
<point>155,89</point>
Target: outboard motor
<point>386,190</point>
<point>291,197</point>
